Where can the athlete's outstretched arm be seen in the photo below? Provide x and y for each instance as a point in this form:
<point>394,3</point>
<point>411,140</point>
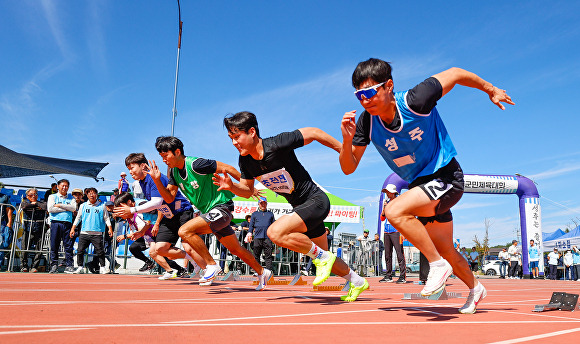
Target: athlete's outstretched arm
<point>315,134</point>
<point>245,188</point>
<point>225,168</point>
<point>350,155</point>
<point>167,193</point>
<point>457,76</point>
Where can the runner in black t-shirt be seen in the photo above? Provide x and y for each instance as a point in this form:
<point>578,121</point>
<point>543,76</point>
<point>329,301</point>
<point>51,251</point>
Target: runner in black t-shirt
<point>272,161</point>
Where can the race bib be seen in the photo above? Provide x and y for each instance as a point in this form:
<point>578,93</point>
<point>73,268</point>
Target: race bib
<point>278,181</point>
<point>166,211</point>
<point>214,215</point>
<point>436,188</point>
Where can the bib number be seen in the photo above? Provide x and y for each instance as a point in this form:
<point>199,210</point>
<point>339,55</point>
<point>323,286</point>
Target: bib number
<point>436,188</point>
<point>166,211</point>
<point>214,215</point>
<point>279,181</point>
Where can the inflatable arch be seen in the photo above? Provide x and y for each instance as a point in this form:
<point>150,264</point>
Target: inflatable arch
<point>529,202</point>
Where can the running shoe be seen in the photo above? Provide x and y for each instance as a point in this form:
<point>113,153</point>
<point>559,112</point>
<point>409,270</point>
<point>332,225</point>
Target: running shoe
<point>147,266</point>
<point>386,279</point>
<point>263,279</point>
<point>354,292</point>
<point>34,270</point>
<point>78,270</point>
<point>102,270</point>
<point>401,280</point>
<point>436,279</point>
<point>183,274</point>
<point>24,269</point>
<point>323,268</point>
<point>53,269</point>
<point>472,300</point>
<point>69,270</point>
<point>168,275</point>
<point>210,274</point>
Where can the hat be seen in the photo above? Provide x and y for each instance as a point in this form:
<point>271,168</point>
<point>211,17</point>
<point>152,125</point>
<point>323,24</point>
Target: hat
<point>77,191</point>
<point>115,189</point>
<point>262,199</point>
<point>366,231</point>
<point>390,188</point>
<point>123,173</point>
<point>108,203</point>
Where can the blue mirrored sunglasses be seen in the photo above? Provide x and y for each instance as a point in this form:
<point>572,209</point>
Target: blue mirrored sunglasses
<point>368,92</point>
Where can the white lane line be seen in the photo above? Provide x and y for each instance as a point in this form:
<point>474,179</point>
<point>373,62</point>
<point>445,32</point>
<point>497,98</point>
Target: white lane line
<point>46,330</point>
<point>539,336</point>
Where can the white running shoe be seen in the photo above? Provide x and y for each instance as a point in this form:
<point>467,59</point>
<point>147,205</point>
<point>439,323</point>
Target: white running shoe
<point>78,270</point>
<point>436,279</point>
<point>211,272</point>
<point>102,270</point>
<point>263,279</point>
<point>473,299</point>
<point>168,275</point>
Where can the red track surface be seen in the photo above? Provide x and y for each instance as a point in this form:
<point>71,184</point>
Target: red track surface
<point>43,308</point>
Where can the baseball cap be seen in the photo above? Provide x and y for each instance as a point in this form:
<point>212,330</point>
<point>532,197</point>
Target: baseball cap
<point>390,188</point>
<point>77,191</point>
<point>366,231</point>
<point>123,173</point>
<point>262,199</point>
<point>115,189</point>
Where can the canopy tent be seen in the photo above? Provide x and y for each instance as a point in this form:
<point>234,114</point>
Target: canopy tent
<point>13,164</point>
<point>564,242</point>
<point>554,235</point>
<point>340,210</point>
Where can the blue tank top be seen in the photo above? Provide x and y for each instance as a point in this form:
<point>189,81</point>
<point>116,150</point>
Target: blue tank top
<point>65,216</point>
<point>419,147</point>
<point>92,217</point>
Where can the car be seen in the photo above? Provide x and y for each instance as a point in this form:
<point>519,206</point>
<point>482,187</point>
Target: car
<point>412,267</point>
<point>491,268</point>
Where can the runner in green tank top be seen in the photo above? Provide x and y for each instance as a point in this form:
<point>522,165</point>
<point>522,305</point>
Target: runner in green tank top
<point>193,176</point>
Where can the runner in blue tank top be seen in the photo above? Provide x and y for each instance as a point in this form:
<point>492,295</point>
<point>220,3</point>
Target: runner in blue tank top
<point>406,129</point>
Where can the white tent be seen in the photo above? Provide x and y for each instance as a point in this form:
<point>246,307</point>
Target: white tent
<point>564,242</point>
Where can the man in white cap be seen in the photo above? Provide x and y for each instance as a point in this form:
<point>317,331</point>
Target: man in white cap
<point>392,240</point>
<point>259,223</point>
<point>123,183</point>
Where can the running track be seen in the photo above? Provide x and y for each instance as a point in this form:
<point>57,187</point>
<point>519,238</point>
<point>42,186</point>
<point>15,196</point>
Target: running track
<point>43,308</point>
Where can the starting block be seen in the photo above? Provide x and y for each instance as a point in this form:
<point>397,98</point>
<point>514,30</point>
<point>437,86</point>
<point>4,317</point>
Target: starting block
<point>559,301</point>
<point>297,280</point>
<point>441,295</point>
<point>230,276</point>
<point>341,287</point>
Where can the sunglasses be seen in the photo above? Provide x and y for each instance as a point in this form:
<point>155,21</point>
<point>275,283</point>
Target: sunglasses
<point>368,92</point>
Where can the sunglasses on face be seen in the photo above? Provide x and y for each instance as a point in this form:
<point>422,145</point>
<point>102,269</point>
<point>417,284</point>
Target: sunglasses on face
<point>367,92</point>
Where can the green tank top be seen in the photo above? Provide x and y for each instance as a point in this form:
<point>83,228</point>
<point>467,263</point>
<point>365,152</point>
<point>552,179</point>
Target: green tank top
<point>199,188</point>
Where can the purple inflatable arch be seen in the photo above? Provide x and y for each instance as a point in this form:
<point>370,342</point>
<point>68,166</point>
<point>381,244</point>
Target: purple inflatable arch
<point>524,188</point>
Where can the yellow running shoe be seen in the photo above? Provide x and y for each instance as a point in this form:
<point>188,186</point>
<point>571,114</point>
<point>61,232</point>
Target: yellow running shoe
<point>323,268</point>
<point>354,292</point>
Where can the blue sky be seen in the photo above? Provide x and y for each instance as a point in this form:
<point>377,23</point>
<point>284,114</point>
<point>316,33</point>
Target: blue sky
<point>93,80</point>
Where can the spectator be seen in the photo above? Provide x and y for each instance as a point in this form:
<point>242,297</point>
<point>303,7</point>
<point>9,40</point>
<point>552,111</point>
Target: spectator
<point>94,217</point>
<point>329,238</point>
<point>339,251</point>
<point>6,220</point>
<point>534,255</point>
<point>123,185</point>
<point>243,229</point>
<point>503,258</point>
<point>553,263</point>
<point>576,262</point>
<point>259,223</point>
<point>392,241</point>
<point>60,209</point>
<point>114,195</point>
<point>32,235</point>
<point>110,244</point>
<point>474,259</point>
<point>78,199</point>
<point>568,263</point>
<point>378,249</point>
<point>366,246</point>
<point>464,254</point>
<point>514,259</point>
<point>53,189</point>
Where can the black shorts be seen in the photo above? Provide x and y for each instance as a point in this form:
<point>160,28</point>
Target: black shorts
<point>313,212</point>
<point>445,185</point>
<point>169,228</point>
<point>219,218</point>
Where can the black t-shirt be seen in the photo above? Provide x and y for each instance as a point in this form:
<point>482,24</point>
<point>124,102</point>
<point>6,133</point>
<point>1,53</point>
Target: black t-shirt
<point>279,170</point>
<point>199,165</point>
<point>421,99</point>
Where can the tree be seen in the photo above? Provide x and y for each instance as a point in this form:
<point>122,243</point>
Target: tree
<point>482,247</point>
